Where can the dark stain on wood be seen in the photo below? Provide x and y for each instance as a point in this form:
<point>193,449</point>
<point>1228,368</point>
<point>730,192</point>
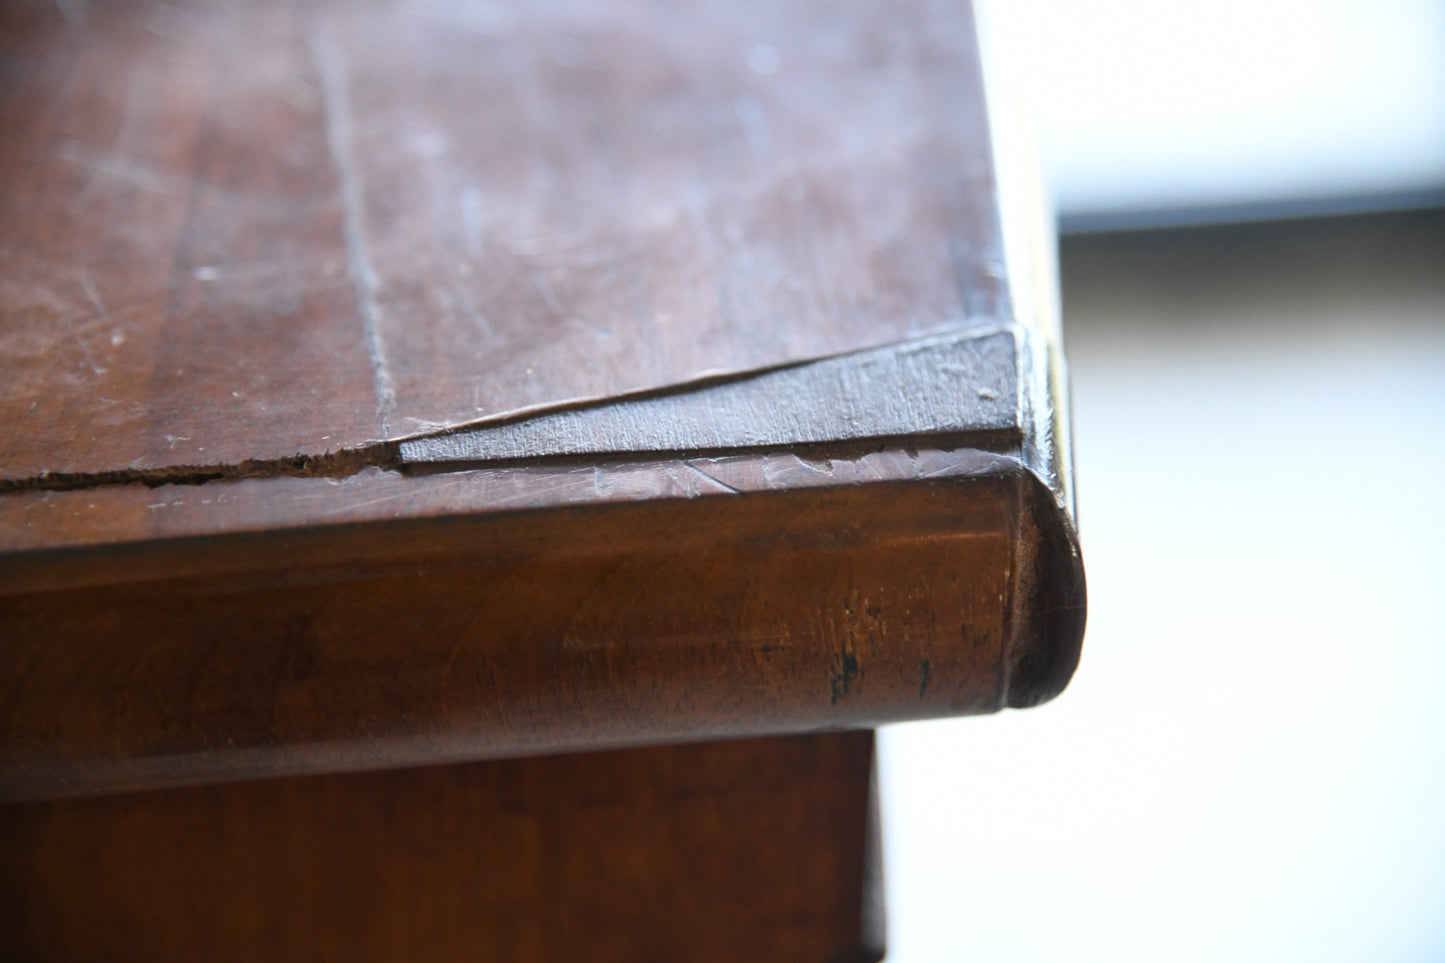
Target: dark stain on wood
<point>848,670</point>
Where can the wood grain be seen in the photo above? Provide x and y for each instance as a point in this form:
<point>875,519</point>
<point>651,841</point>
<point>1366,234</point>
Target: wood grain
<point>186,661</point>
<point>173,284</point>
<point>963,386</point>
<point>240,232</point>
<point>414,382</point>
<point>749,850</point>
<point>570,201</point>
<point>260,265</point>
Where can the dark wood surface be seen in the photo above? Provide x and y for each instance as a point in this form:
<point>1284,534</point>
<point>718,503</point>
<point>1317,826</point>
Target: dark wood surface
<point>240,233</point>
<point>409,382</point>
<point>747,850</point>
<point>433,640</point>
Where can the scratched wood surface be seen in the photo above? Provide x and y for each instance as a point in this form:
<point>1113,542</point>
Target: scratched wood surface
<point>405,382</point>
<point>244,232</point>
<point>173,283</point>
<point>748,850</point>
<point>409,382</point>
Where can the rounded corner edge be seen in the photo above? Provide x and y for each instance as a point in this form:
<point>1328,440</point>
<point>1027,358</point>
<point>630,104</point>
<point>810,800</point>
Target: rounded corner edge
<point>1052,604</point>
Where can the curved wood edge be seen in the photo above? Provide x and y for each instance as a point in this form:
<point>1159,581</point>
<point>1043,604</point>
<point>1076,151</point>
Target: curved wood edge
<point>449,639</point>
<point>1052,601</point>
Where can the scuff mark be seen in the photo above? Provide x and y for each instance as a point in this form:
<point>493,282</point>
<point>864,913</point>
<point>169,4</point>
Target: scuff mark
<point>93,296</point>
<point>712,478</point>
<point>544,288</point>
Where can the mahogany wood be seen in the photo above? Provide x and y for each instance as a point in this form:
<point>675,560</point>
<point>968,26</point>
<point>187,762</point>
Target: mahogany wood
<point>237,232</point>
<point>744,850</point>
<point>389,384</point>
<point>375,646</point>
<point>247,248</point>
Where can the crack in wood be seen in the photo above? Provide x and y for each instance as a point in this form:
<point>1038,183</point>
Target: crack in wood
<point>331,464</point>
<point>961,390</point>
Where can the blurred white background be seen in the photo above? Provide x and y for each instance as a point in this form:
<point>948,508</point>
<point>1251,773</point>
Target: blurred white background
<point>1207,110</point>
<point>1250,763</point>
